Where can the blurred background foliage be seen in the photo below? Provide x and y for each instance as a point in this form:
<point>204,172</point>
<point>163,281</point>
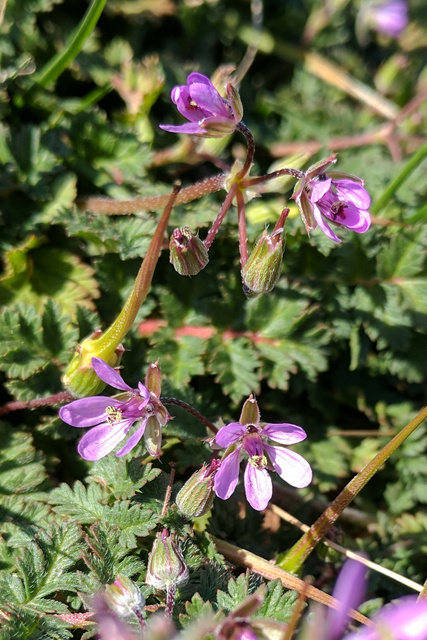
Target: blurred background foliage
<point>338,347</point>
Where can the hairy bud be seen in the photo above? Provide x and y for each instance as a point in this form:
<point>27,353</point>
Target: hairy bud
<point>124,597</point>
<point>166,566</point>
<point>188,254</point>
<point>195,498</point>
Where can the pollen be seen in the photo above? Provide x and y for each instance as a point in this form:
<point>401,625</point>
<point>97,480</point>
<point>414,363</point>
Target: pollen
<point>259,462</point>
<point>114,415</point>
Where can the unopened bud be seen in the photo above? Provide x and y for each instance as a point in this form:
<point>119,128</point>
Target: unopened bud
<point>188,254</point>
<point>79,377</point>
<point>262,271</point>
<point>166,566</point>
<point>124,597</point>
<point>195,498</point>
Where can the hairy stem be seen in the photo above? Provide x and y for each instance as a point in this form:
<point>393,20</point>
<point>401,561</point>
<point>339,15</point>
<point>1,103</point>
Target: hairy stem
<point>250,182</point>
<point>251,150</point>
<point>152,203</point>
<point>220,217</point>
<point>191,410</point>
<point>16,405</point>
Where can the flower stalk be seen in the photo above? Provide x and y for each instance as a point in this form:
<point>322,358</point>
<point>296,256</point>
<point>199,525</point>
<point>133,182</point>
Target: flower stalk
<point>296,556</point>
<point>79,377</point>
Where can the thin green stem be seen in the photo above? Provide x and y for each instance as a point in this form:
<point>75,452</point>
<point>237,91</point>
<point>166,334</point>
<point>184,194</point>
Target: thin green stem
<point>394,185</point>
<point>53,69</point>
<point>302,549</point>
<point>124,321</point>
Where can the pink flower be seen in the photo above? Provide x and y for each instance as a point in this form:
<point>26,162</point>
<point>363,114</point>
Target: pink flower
<point>262,444</point>
<point>389,17</point>
<point>404,619</point>
<point>325,197</point>
<point>208,113</point>
<point>110,419</point>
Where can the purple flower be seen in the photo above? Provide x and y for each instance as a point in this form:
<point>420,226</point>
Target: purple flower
<point>262,444</point>
<point>349,590</point>
<point>389,17</point>
<point>405,619</point>
<point>110,419</point>
<point>332,197</point>
<point>209,114</point>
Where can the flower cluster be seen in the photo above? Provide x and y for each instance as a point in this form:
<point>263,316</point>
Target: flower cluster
<point>110,419</point>
<point>263,446</point>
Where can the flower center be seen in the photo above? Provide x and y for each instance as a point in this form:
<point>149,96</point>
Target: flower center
<point>114,415</point>
<point>192,106</point>
<point>259,462</point>
<point>338,209</point>
<point>251,428</point>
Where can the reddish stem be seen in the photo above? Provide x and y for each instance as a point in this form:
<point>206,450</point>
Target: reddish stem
<point>220,217</point>
<point>17,405</point>
<point>243,237</point>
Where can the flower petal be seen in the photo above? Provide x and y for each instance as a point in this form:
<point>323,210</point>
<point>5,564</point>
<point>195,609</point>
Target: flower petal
<point>86,412</point>
<point>229,434</point>
<point>190,128</point>
<point>284,433</point>
<point>109,375</point>
<point>349,590</point>
<point>227,475</point>
<point>133,440</point>
<point>351,191</point>
<point>186,105</point>
<point>406,619</point>
<point>258,487</point>
<point>207,98</point>
<point>322,224</point>
<point>100,440</point>
<point>319,188</point>
<point>290,466</point>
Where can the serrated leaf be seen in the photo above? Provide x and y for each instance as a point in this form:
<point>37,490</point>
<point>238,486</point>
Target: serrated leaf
<point>234,364</point>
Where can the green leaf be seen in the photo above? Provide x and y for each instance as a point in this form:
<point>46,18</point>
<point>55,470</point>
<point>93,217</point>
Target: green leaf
<point>234,364</point>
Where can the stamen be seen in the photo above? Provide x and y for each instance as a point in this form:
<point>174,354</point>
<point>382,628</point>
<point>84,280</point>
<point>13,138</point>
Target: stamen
<point>259,462</point>
<point>338,209</point>
<point>114,415</point>
<point>192,106</point>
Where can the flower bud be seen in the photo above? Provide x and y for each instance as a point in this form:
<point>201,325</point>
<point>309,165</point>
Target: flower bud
<point>166,566</point>
<point>262,271</point>
<point>196,496</point>
<point>188,254</point>
<point>79,377</point>
<point>124,597</point>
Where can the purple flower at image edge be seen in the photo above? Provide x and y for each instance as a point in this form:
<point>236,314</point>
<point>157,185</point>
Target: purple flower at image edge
<point>208,113</point>
<point>404,619</point>
<point>263,446</point>
<point>111,418</point>
<point>389,17</point>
